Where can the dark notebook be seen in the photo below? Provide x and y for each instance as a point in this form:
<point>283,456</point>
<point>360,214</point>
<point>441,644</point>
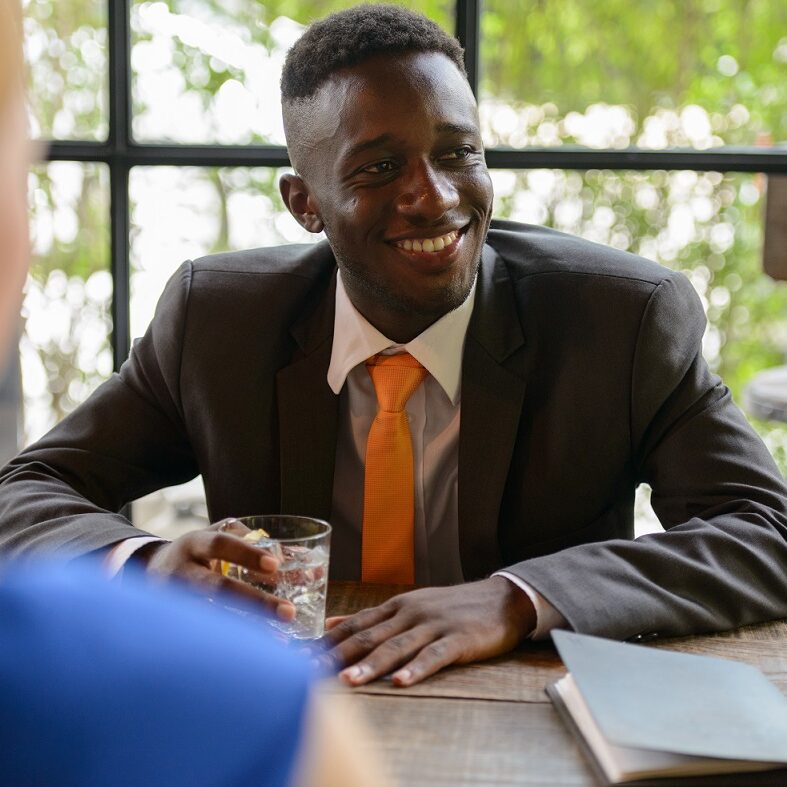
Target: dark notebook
<point>645,713</point>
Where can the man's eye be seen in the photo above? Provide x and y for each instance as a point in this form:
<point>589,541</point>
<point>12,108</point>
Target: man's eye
<point>380,168</point>
<point>458,154</point>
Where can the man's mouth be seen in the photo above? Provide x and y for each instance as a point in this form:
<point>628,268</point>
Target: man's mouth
<point>445,243</point>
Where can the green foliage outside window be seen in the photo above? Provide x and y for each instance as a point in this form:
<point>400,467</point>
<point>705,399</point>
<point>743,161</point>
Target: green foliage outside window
<point>645,55</point>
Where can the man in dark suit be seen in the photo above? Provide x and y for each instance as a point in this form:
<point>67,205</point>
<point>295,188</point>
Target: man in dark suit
<point>558,375</point>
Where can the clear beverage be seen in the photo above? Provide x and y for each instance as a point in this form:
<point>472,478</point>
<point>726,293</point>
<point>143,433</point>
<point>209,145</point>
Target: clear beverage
<point>302,546</point>
<point>302,578</point>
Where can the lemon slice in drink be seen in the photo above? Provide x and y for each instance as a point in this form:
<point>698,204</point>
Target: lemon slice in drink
<point>256,535</point>
<point>253,536</point>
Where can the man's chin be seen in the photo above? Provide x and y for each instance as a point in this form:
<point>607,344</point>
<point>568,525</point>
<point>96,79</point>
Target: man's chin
<point>434,301</point>
<point>424,297</point>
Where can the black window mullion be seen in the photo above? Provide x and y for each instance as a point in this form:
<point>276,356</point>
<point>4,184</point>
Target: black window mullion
<point>120,264</point>
<point>468,31</point>
<point>177,155</point>
<point>728,159</point>
<point>119,163</point>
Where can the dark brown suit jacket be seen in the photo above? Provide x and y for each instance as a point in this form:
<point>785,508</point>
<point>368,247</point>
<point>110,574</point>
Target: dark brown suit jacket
<point>582,377</point>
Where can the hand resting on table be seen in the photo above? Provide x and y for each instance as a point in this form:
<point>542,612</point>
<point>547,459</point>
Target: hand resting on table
<point>422,631</point>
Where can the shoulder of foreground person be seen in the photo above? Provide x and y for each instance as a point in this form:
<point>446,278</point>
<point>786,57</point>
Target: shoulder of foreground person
<point>100,679</point>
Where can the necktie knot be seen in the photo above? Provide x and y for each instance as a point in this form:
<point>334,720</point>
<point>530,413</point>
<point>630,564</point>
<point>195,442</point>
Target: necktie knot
<point>395,378</point>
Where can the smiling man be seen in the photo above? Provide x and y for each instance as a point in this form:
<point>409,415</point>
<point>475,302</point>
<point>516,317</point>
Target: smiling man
<point>471,407</point>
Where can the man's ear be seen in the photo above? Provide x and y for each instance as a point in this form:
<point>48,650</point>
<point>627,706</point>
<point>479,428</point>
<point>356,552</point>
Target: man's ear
<point>300,203</point>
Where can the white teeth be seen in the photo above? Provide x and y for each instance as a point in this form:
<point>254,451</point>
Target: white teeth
<point>428,244</point>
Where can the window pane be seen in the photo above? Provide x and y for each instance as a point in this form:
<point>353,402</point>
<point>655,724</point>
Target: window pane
<point>205,71</point>
<point>633,72</point>
<point>707,225</point>
<point>181,213</point>
<point>66,49</point>
<point>65,346</point>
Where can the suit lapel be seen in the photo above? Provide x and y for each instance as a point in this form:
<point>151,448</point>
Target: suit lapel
<point>308,415</point>
<point>493,387</point>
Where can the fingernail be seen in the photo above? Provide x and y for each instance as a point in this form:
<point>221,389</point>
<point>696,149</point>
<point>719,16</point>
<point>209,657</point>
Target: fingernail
<point>403,676</point>
<point>285,611</point>
<point>356,673</point>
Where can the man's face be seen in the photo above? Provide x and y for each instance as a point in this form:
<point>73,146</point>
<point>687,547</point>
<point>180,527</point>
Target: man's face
<point>395,172</point>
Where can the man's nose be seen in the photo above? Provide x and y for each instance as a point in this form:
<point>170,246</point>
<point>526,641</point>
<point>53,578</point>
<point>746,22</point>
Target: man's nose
<point>427,194</point>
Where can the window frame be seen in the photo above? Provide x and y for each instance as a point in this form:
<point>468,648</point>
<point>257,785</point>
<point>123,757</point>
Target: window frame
<point>120,152</point>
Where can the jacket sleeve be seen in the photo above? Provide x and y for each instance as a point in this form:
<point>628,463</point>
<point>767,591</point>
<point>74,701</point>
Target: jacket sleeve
<point>129,438</point>
<point>722,561</point>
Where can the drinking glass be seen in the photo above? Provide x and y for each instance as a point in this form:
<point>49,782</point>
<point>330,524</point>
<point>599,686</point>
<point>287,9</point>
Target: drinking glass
<point>302,546</point>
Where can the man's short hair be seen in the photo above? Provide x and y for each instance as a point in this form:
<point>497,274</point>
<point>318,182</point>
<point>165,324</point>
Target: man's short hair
<point>349,37</point>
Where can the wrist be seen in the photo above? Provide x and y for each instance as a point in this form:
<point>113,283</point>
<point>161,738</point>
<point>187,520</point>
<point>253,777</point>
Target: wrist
<point>142,556</point>
<point>519,609</point>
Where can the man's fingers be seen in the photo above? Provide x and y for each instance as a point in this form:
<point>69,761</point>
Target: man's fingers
<point>431,659</point>
<point>334,621</point>
<point>363,642</point>
<point>207,579</point>
<point>392,652</point>
<point>230,548</point>
<point>352,624</point>
<point>231,525</point>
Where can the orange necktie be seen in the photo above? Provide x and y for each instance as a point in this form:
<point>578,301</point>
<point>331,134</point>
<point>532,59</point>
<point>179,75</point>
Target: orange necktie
<point>388,553</point>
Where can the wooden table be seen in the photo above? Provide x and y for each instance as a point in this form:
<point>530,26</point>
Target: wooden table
<point>492,724</point>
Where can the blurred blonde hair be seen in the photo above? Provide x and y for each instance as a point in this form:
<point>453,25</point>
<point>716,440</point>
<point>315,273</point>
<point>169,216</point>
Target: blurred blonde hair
<point>11,68</point>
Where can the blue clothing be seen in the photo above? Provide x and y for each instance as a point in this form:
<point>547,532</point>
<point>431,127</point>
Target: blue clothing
<point>103,683</point>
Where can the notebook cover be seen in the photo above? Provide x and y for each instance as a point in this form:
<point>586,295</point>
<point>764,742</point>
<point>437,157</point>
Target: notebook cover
<point>647,698</point>
<point>775,778</point>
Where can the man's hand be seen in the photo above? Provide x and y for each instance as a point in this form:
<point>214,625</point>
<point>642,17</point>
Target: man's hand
<point>422,631</point>
<point>196,557</point>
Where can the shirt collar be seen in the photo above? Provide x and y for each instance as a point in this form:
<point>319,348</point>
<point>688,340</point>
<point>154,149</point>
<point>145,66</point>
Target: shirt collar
<point>439,348</point>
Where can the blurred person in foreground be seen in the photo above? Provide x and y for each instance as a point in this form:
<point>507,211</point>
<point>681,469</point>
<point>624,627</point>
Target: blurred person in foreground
<point>471,403</point>
<point>105,683</point>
